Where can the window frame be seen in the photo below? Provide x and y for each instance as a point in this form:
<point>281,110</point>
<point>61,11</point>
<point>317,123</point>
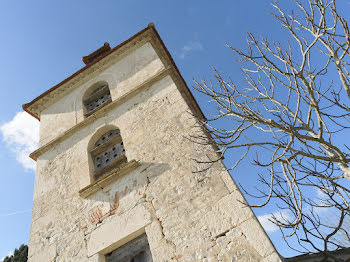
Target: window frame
<point>92,185</point>
<point>131,250</point>
<point>97,150</point>
<point>94,93</point>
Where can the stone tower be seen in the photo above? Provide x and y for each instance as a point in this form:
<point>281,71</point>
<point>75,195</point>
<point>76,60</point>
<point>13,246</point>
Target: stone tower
<point>114,178</point>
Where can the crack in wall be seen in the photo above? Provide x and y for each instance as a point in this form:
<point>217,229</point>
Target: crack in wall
<point>174,256</point>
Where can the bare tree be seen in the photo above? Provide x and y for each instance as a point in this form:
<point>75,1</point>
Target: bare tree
<point>296,103</point>
<point>343,235</point>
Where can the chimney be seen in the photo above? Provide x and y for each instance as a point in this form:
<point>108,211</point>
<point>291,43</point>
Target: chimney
<point>97,54</point>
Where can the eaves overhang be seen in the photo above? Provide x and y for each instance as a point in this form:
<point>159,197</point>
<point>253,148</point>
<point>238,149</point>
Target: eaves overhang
<point>35,107</point>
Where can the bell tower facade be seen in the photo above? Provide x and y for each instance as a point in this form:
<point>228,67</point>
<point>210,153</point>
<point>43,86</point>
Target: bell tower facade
<point>115,177</point>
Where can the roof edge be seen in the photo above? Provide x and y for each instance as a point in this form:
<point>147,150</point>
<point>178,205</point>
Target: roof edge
<point>27,105</point>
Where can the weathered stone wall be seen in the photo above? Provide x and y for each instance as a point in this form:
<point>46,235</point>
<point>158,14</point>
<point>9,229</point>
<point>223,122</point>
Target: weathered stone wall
<point>187,216</point>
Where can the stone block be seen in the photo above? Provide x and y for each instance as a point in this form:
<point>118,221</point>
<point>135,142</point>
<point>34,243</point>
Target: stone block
<point>217,223</point>
<point>229,182</point>
<point>47,254</point>
<point>257,237</point>
<point>164,252</point>
<point>274,257</point>
<point>154,234</point>
<point>119,229</point>
<point>228,212</point>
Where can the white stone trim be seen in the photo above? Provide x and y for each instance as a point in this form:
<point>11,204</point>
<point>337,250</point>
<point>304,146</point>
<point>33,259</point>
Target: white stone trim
<point>103,111</point>
<point>119,230</point>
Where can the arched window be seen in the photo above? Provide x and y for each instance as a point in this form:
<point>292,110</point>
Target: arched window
<point>99,97</point>
<point>108,153</point>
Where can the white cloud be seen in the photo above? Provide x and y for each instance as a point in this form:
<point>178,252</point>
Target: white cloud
<point>265,220</point>
<point>21,135</point>
<point>321,194</point>
<point>321,201</point>
<point>192,46</point>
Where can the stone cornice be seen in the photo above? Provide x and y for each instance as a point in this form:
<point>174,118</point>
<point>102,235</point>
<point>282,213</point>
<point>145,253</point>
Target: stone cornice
<point>109,178</point>
<point>88,72</point>
<point>103,111</point>
<point>148,35</point>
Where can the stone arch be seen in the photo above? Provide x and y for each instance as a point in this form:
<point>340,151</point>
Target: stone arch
<point>95,97</point>
<point>106,152</point>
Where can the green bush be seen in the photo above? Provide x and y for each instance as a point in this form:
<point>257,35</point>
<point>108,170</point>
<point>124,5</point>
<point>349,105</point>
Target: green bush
<point>20,255</point>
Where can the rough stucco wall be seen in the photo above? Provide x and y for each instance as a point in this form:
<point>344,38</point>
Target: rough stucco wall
<point>187,216</point>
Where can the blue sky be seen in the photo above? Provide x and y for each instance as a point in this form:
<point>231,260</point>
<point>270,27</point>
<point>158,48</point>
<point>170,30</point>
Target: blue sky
<point>42,43</point>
